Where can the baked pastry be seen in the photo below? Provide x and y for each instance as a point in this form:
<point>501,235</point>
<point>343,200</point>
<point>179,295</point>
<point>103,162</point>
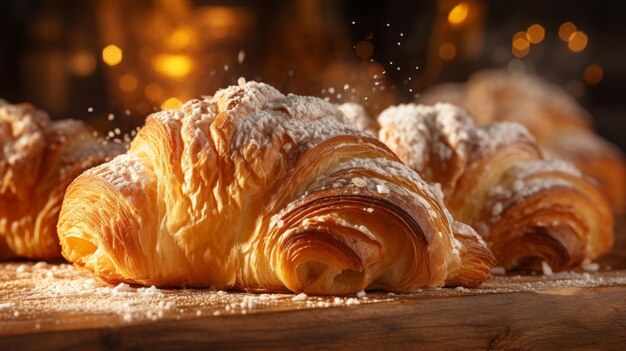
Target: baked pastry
<point>359,118</point>
<point>38,160</point>
<point>560,125</point>
<point>258,191</point>
<point>531,210</point>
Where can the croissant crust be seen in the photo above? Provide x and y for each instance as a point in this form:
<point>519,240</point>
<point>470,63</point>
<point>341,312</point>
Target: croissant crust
<point>529,209</point>
<point>39,159</point>
<point>255,190</point>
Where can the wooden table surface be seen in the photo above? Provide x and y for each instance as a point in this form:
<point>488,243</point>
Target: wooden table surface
<point>56,306</point>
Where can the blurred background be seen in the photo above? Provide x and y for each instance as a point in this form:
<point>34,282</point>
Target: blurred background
<point>112,62</point>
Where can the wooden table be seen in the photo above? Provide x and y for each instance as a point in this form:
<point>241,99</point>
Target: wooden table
<point>56,306</point>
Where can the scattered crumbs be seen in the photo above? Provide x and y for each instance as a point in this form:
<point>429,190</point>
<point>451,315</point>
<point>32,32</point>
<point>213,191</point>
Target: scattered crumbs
<point>352,301</point>
<point>152,290</point>
<point>127,317</point>
<point>241,56</point>
<point>359,182</point>
<point>216,313</point>
<point>461,289</point>
<point>121,288</point>
<point>6,305</point>
<point>361,294</point>
<point>545,267</point>
<point>382,189</point>
<point>300,297</point>
<point>590,266</point>
<point>337,300</point>
<point>241,81</point>
<point>498,270</point>
<point>21,268</point>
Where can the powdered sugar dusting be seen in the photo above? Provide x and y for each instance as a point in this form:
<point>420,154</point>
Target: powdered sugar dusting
<point>418,132</point>
<point>356,114</point>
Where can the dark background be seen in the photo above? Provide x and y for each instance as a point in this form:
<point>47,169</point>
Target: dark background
<point>299,46</point>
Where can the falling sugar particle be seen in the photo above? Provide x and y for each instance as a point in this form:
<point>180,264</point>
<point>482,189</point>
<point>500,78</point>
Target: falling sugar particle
<point>241,81</point>
<point>331,90</point>
<point>90,109</point>
<point>417,67</point>
<point>127,112</point>
<point>398,43</point>
<point>241,56</point>
<point>111,117</point>
<point>226,68</point>
<point>401,34</point>
<point>290,73</point>
<point>346,86</point>
<point>398,68</point>
<point>353,22</point>
<point>387,24</point>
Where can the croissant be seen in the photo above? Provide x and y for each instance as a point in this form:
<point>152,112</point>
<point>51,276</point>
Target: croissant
<point>359,118</point>
<point>561,126</point>
<point>529,209</point>
<point>38,160</point>
<point>258,191</point>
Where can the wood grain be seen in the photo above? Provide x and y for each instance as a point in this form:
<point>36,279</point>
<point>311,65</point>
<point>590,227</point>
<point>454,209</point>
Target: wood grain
<point>590,318</point>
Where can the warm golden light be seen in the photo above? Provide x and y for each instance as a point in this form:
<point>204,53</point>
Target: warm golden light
<point>520,35</point>
<point>364,49</point>
<point>447,51</point>
<point>171,104</point>
<point>458,14</point>
<point>536,33</point>
<point>566,30</point>
<point>153,91</point>
<point>112,55</point>
<point>179,39</point>
<point>577,41</point>
<point>175,66</point>
<point>593,74</point>
<point>82,63</point>
<point>128,82</point>
<point>521,44</point>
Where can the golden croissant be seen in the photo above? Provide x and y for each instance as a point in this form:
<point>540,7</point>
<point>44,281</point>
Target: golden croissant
<point>38,160</point>
<point>560,125</point>
<point>529,209</point>
<point>258,191</point>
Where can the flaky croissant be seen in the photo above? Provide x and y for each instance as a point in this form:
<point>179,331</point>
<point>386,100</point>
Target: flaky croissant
<point>560,125</point>
<point>255,190</point>
<point>529,209</point>
<point>38,160</point>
